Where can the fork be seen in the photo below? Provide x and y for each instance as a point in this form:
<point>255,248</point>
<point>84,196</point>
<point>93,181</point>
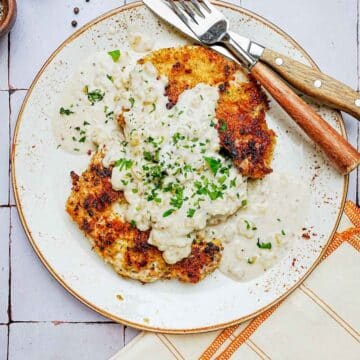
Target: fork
<point>212,28</point>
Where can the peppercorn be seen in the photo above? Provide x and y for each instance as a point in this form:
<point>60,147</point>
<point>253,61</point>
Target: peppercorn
<point>76,10</point>
<point>74,23</point>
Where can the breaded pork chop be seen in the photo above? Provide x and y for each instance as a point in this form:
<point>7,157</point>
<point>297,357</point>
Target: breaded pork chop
<point>243,134</point>
<point>241,108</point>
<point>90,205</point>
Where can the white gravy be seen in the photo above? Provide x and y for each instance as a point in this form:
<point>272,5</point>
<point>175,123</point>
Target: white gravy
<point>168,165</point>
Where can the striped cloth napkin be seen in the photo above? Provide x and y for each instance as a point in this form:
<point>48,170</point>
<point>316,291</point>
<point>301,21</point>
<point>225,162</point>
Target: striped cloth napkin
<point>319,320</point>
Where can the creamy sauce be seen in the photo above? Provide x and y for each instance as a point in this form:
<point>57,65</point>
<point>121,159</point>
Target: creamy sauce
<point>92,101</point>
<point>260,234</point>
<point>168,165</point>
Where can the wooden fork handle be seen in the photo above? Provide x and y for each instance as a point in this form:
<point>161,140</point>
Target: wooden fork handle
<point>342,155</point>
<point>314,83</point>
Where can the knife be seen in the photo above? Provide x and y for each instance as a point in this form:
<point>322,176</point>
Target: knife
<point>310,81</point>
<point>343,156</point>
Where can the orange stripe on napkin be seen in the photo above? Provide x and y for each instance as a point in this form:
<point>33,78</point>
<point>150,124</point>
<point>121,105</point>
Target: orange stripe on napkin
<point>219,340</point>
<point>353,213</point>
<point>246,333</point>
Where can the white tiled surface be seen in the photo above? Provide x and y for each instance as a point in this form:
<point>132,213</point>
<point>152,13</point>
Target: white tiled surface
<point>63,341</point>
<point>326,28</point>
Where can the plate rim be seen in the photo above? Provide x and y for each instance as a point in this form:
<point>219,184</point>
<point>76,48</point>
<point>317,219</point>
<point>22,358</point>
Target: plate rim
<point>57,277</point>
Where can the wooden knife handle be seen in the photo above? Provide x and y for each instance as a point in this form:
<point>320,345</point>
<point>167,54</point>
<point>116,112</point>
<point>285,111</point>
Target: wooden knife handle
<point>341,154</point>
<point>314,83</point>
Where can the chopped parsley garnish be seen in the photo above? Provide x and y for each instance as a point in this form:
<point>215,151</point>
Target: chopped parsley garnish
<point>115,55</point>
<point>124,164</point>
<point>133,223</point>
<point>132,102</point>
<point>177,137</point>
<point>214,164</point>
<point>110,78</point>
<point>86,123</point>
<point>283,232</point>
<point>178,199</point>
<point>95,95</point>
<point>223,126</point>
<point>153,108</point>
<point>244,202</point>
<point>168,212</point>
<point>190,213</point>
<point>212,124</point>
<point>251,260</point>
<point>66,112</point>
<point>262,245</point>
<point>134,191</point>
<point>250,226</point>
<point>82,139</point>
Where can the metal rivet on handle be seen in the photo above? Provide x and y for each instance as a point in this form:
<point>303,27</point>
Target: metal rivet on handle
<point>357,102</point>
<point>279,61</point>
<point>317,83</point>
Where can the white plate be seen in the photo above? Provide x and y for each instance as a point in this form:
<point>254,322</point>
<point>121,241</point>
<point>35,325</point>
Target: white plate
<point>42,184</point>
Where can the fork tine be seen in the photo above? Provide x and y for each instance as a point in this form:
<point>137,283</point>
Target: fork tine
<point>208,6</point>
<point>180,13</point>
<point>188,10</point>
<point>197,8</point>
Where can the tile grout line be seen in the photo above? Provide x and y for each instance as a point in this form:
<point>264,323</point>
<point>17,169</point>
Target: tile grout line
<point>10,226</point>
<point>9,118</point>
<point>9,285</point>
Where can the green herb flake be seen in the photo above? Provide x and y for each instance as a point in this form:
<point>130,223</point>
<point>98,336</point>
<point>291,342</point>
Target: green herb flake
<point>190,213</point>
<point>223,126</point>
<point>251,260</point>
<point>115,55</point>
<point>168,212</point>
<point>262,245</point>
<point>213,164</point>
<point>66,112</point>
<point>82,139</point>
<point>244,202</point>
<point>153,108</point>
<point>132,102</point>
<point>133,223</point>
<point>134,191</point>
<point>124,164</point>
<point>85,123</point>
<point>283,232</point>
<point>110,78</point>
<point>95,96</point>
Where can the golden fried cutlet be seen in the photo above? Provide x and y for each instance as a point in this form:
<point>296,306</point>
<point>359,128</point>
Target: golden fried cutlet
<point>241,108</point>
<point>243,135</point>
<point>122,245</point>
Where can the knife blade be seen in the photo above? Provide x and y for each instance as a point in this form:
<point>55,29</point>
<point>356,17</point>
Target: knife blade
<point>161,9</point>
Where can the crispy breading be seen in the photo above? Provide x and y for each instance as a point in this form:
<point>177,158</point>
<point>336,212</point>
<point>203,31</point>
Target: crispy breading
<point>243,134</point>
<point>119,243</point>
<point>240,110</point>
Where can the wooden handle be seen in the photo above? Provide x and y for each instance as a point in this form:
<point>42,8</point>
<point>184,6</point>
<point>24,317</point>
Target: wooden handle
<point>314,83</point>
<point>341,154</point>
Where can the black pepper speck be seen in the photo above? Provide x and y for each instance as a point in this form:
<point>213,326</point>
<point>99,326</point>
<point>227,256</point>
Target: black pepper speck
<point>74,23</point>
